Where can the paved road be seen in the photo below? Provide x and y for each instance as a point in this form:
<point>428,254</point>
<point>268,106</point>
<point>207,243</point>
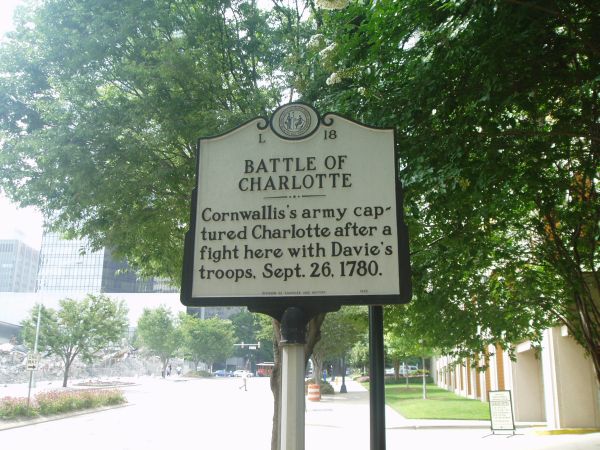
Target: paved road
<point>165,415</point>
<point>217,414</point>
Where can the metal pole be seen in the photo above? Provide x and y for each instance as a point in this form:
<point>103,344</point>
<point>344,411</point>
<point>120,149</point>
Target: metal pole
<point>376,378</point>
<point>343,388</point>
<point>424,381</point>
<point>423,368</point>
<point>293,330</point>
<point>35,345</point>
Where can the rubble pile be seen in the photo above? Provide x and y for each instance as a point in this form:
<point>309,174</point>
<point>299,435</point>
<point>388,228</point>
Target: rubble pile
<point>120,363</point>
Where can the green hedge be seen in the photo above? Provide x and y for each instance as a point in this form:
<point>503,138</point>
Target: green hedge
<point>198,374</point>
<point>411,380</point>
<point>389,379</point>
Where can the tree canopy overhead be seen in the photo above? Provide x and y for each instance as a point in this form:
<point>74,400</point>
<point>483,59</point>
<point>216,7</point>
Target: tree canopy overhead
<point>101,104</point>
<point>496,106</point>
<point>497,109</point>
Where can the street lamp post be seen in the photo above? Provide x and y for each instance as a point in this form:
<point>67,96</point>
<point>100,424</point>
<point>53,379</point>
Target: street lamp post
<point>424,378</point>
<point>35,345</point>
<point>343,388</point>
<point>423,369</point>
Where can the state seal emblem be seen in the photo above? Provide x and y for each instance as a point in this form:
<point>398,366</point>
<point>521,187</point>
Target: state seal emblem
<point>294,121</point>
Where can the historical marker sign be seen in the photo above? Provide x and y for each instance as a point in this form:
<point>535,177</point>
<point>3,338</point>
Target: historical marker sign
<point>296,210</point>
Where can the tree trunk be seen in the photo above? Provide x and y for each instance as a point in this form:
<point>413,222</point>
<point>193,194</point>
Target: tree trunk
<point>396,369</point>
<point>66,373</point>
<point>318,370</point>
<point>582,315</point>
<point>276,389</point>
<point>587,319</point>
<point>68,359</point>
<point>276,385</point>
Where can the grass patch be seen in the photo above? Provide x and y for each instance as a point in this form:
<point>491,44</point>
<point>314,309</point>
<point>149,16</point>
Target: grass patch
<point>440,404</point>
<point>57,402</point>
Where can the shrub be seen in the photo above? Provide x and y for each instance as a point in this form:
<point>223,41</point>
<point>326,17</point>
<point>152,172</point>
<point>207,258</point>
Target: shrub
<point>416,379</point>
<point>326,388</point>
<point>12,408</point>
<point>57,402</point>
<point>54,402</point>
<point>198,374</point>
<point>114,397</point>
<point>390,379</point>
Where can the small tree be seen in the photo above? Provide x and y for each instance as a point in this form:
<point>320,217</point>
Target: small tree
<point>207,340</point>
<point>78,329</point>
<point>339,332</point>
<point>248,328</point>
<point>402,341</point>
<point>396,350</point>
<point>159,334</point>
<point>359,354</point>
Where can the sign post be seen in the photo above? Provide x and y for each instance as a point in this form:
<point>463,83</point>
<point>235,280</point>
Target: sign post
<point>376,379</point>
<point>293,324</point>
<point>292,216</point>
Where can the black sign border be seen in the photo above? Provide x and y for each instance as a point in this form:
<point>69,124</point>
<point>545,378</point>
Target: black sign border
<point>317,303</point>
<point>512,413</point>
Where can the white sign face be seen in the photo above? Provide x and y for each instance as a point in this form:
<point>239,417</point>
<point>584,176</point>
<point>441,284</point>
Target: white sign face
<point>501,412</point>
<point>33,361</point>
<point>305,207</point>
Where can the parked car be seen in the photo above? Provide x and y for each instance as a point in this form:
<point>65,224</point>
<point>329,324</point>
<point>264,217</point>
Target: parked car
<point>222,373</point>
<point>242,373</point>
<point>408,370</point>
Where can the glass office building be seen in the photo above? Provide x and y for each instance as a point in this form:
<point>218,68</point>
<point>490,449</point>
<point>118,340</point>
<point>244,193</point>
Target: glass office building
<point>18,266</point>
<point>73,266</point>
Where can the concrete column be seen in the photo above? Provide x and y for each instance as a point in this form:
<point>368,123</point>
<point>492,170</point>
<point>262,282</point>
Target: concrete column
<point>570,387</point>
<point>527,386</point>
<point>292,398</point>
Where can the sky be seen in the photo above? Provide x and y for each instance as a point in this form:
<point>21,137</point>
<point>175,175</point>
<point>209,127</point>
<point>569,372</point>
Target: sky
<point>6,11</point>
<point>24,224</point>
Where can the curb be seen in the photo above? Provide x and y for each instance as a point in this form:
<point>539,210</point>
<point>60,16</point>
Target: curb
<point>557,432</point>
<point>439,427</point>
<point>9,424</point>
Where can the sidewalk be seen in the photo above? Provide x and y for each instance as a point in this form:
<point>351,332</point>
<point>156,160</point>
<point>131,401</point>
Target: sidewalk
<point>343,419</point>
